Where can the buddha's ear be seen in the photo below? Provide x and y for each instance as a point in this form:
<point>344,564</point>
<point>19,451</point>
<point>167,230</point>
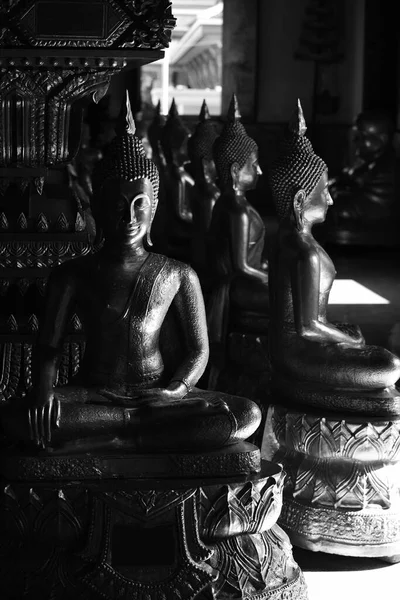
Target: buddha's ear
<point>299,200</point>
<point>235,168</point>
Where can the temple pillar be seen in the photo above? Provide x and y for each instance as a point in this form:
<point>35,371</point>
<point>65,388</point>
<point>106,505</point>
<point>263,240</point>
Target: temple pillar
<point>239,55</point>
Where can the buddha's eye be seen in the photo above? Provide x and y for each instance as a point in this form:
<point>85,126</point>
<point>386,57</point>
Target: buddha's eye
<point>142,203</point>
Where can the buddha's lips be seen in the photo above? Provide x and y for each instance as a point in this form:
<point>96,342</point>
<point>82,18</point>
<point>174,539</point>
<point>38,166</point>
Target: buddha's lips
<point>132,228</point>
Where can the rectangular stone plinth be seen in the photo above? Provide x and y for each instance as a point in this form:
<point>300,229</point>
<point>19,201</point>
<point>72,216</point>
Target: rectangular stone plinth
<point>239,459</point>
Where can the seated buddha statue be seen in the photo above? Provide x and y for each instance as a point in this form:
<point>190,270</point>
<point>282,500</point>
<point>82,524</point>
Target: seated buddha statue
<point>134,388</point>
<point>313,360</point>
<point>205,192</point>
<point>177,186</point>
<point>366,208</point>
<point>236,237</point>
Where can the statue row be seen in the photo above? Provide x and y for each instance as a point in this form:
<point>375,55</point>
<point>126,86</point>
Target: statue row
<point>143,313</point>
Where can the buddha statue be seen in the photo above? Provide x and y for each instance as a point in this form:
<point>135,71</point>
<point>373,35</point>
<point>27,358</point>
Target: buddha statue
<point>134,389</point>
<point>205,192</point>
<point>154,135</point>
<point>178,184</point>
<point>236,236</point>
<point>366,209</point>
<point>315,361</point>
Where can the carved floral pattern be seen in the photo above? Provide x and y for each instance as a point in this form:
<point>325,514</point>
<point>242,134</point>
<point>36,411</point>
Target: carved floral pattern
<point>128,23</point>
<point>342,487</point>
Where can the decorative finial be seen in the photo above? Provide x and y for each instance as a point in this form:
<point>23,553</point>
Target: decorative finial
<point>80,224</point>
<point>12,324</point>
<point>126,122</point>
<point>173,110</point>
<point>62,223</point>
<point>42,223</point>
<point>297,123</point>
<point>233,110</point>
<point>4,225</point>
<point>204,112</point>
<point>22,223</point>
<point>33,323</point>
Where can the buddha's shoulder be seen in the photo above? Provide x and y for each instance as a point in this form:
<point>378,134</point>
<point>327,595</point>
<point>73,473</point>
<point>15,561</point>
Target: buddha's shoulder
<point>173,266</point>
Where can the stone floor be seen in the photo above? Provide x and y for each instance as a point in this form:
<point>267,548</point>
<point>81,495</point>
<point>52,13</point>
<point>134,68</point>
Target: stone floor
<point>331,577</point>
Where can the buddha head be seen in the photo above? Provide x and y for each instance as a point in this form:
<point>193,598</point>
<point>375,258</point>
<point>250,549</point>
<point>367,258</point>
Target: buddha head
<point>200,147</point>
<point>298,177</point>
<point>155,129</point>
<point>236,154</point>
<point>372,134</point>
<point>125,185</point>
<point>174,138</point>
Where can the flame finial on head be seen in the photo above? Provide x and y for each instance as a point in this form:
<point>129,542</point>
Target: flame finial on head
<point>125,122</point>
<point>297,123</point>
<point>173,110</point>
<point>204,112</point>
<point>233,110</point>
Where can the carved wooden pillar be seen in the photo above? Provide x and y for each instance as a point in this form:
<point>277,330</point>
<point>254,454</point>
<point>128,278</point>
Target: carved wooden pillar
<point>54,57</point>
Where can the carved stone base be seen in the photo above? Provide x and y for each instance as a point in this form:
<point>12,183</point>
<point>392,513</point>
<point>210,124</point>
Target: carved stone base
<point>204,539</point>
<point>342,493</point>
<point>382,403</point>
<point>238,459</point>
<point>370,533</point>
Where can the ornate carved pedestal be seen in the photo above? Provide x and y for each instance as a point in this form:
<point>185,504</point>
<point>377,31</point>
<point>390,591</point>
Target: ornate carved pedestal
<point>144,538</point>
<point>342,492</point>
<point>54,57</point>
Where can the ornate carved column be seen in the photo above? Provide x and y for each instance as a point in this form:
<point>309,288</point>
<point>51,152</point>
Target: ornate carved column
<point>54,57</point>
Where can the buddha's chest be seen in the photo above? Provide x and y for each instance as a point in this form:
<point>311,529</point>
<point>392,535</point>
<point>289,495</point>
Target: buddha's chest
<point>327,271</point>
<point>135,295</point>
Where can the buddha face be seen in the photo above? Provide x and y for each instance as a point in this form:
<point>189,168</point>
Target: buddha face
<point>126,212</point>
<point>317,204</point>
<point>370,138</point>
<point>312,209</point>
<point>245,178</point>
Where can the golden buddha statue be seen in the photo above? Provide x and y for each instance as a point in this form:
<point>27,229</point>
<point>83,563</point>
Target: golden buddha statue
<point>313,360</point>
<point>134,389</point>
<point>205,192</point>
<point>178,184</point>
<point>236,237</point>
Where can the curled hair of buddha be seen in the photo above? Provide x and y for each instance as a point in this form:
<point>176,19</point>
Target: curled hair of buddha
<point>155,128</point>
<point>125,157</point>
<point>233,145</point>
<point>297,167</point>
<point>200,143</point>
<point>174,133</point>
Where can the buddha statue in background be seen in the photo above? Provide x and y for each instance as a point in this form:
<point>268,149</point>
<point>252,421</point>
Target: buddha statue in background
<point>205,192</point>
<point>315,361</point>
<point>178,184</point>
<point>134,389</point>
<point>154,133</point>
<point>366,209</point>
<point>236,236</point>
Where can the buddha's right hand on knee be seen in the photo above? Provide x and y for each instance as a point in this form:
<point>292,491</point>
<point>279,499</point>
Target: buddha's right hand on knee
<point>43,415</point>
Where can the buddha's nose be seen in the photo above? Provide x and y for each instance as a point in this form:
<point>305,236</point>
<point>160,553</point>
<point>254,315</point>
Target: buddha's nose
<point>259,171</point>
